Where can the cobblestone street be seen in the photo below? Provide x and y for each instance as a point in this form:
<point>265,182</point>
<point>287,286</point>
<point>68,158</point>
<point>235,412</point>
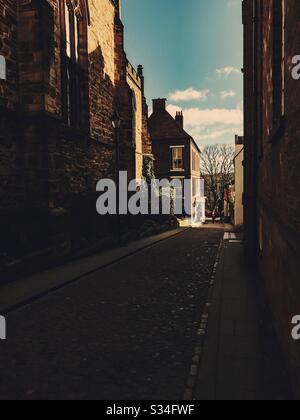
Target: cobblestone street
<point>124,332</point>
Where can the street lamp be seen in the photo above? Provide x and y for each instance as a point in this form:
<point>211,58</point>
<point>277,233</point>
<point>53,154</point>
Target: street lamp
<point>116,120</point>
<point>116,123</point>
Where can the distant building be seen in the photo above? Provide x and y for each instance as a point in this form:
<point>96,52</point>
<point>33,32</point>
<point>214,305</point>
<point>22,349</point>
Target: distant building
<point>176,154</point>
<point>228,205</point>
<point>239,181</point>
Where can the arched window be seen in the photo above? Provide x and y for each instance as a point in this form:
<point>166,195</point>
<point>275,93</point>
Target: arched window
<point>74,57</point>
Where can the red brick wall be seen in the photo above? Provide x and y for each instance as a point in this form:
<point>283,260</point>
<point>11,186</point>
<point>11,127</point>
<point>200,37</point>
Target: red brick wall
<point>274,159</point>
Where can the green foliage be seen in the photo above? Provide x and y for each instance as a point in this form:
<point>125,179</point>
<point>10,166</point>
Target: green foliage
<point>148,169</point>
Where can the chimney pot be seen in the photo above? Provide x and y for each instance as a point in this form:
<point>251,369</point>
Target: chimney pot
<point>179,119</point>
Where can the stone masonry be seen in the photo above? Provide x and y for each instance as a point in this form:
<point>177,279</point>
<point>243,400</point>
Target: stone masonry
<point>48,168</point>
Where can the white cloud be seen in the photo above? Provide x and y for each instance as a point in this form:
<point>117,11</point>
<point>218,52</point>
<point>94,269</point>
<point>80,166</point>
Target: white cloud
<point>227,94</point>
<point>207,125</point>
<point>189,94</point>
<point>227,71</point>
<point>196,116</point>
<point>215,133</point>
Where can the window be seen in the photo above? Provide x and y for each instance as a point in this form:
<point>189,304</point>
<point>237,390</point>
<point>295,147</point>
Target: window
<point>278,61</point>
<point>177,158</point>
<point>74,21</point>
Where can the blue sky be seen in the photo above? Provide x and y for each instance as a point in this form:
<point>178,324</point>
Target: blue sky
<point>191,51</point>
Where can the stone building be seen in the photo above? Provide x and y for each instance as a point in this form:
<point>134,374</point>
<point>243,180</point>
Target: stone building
<point>66,74</point>
<point>272,160</point>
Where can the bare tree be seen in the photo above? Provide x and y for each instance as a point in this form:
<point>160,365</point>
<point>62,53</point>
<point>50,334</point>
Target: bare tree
<point>218,172</point>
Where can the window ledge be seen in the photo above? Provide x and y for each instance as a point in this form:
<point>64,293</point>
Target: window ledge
<point>278,131</point>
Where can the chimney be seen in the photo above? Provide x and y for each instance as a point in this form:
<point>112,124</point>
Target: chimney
<point>239,140</point>
<point>159,105</point>
<point>179,119</point>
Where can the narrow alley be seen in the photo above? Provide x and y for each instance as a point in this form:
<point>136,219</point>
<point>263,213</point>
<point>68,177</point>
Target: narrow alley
<point>149,202</point>
<point>128,331</point>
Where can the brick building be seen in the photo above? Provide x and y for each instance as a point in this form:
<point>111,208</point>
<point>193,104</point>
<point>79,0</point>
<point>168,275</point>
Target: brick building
<point>66,74</point>
<point>272,160</point>
<point>176,154</point>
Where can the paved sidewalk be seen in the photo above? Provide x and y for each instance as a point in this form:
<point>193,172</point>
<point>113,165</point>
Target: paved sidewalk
<point>240,359</point>
<point>24,290</point>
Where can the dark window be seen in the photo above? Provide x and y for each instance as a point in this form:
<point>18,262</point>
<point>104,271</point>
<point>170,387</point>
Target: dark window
<point>74,64</point>
<point>177,158</point>
<point>278,61</point>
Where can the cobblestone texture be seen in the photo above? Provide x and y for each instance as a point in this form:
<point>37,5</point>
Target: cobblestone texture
<point>126,332</point>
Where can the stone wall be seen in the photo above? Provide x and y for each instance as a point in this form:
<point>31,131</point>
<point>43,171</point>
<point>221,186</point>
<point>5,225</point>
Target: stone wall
<point>135,84</point>
<point>102,66</point>
<point>48,170</point>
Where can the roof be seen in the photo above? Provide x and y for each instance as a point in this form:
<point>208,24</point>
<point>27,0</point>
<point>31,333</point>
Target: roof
<point>162,126</point>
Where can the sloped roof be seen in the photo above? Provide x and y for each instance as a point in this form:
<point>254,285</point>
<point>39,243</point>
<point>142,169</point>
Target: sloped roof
<point>162,126</point>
